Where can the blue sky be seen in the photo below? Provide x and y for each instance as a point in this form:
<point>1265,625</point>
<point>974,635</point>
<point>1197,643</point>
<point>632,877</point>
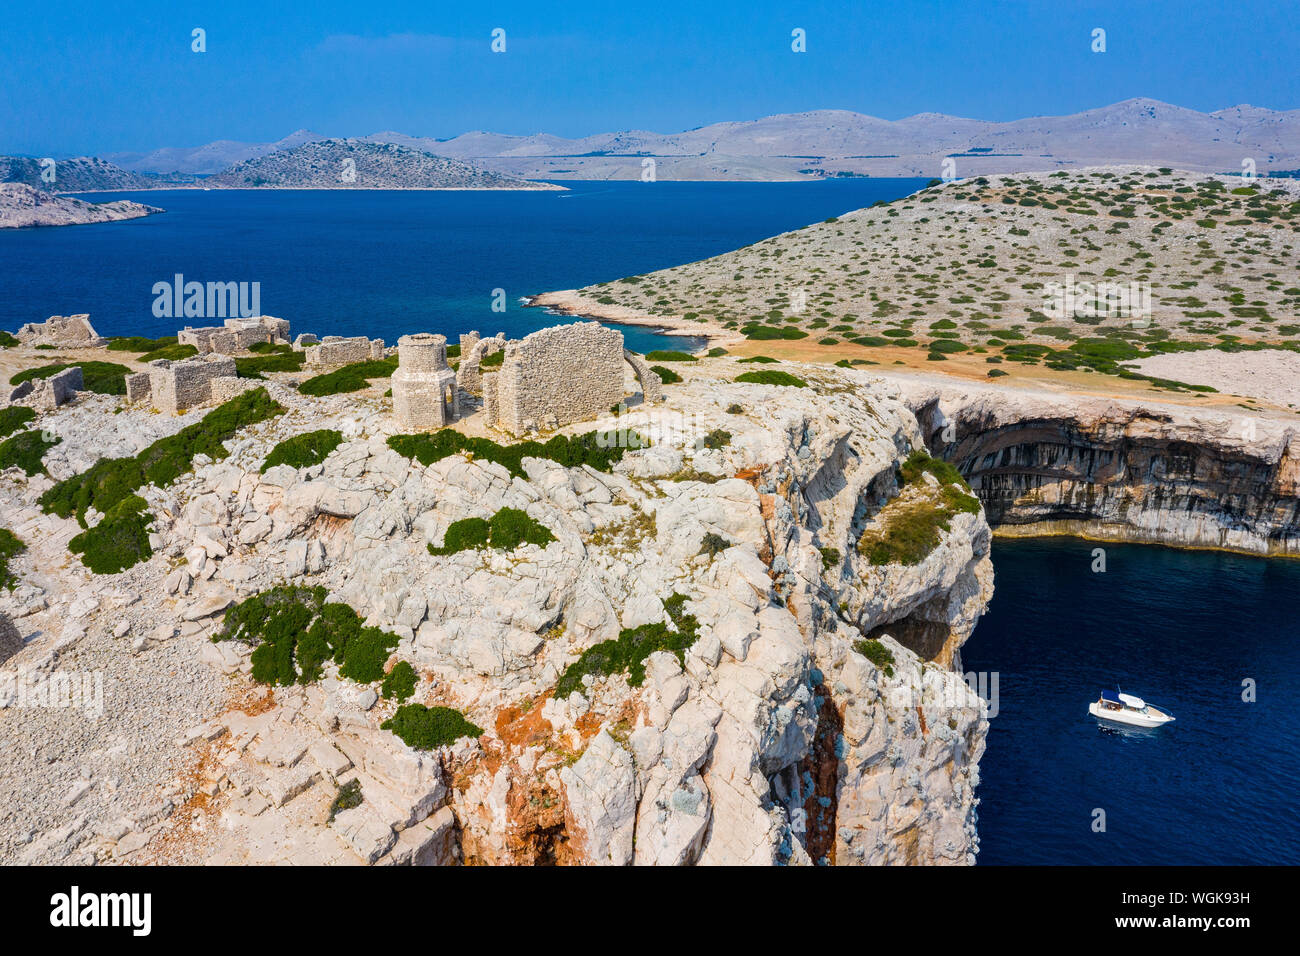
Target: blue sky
<point>83,77</point>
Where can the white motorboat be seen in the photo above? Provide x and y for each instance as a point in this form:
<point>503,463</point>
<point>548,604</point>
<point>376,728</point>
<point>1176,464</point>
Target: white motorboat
<point>1127,709</point>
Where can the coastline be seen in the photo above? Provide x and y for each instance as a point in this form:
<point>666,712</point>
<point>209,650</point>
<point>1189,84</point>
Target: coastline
<point>541,188</point>
<point>571,303</point>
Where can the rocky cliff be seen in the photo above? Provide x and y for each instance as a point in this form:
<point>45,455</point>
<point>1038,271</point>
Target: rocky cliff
<point>1119,470</point>
<point>817,716</point>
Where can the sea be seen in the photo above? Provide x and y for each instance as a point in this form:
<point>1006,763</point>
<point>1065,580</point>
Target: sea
<point>385,263</point>
<point>1215,638</point>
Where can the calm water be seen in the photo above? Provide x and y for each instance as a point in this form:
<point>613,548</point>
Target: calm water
<point>387,263</point>
<point>1180,629</point>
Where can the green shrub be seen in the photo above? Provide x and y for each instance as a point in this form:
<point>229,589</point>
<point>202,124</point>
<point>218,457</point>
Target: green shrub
<point>713,545</point>
<point>14,417</point>
<point>258,365</point>
<point>919,461</point>
<point>8,341</point>
<point>110,480</point>
<point>507,530</point>
<point>427,728</point>
<point>632,647</point>
<point>570,451</point>
<point>760,359</point>
<point>666,375</point>
<point>716,439</point>
<point>106,378</point>
<point>771,376</point>
<point>294,631</point>
<point>348,798</point>
<point>25,450</point>
<point>271,348</point>
<point>10,545</point>
<point>492,360</point>
<point>717,351</point>
<point>669,355</point>
<point>119,541</point>
<point>830,557</point>
<point>399,683</point>
<point>302,451</point>
<point>765,332</point>
<point>173,352</point>
<point>876,652</point>
<point>139,343</point>
<point>349,378</point>
<point>510,527</point>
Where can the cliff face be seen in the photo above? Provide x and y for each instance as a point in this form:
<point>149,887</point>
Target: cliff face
<point>1123,471</point>
<point>778,738</point>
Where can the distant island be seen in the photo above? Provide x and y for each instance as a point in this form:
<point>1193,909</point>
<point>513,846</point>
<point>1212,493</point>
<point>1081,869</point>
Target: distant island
<point>828,143</point>
<point>355,164</point>
<point>23,205</point>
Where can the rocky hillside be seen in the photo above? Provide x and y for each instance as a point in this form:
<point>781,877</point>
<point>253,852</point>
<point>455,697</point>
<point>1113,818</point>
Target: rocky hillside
<point>353,164</point>
<point>979,266</point>
<point>83,174</point>
<point>22,205</point>
<point>739,645</point>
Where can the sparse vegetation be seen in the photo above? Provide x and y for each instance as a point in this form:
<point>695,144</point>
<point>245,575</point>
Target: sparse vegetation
<point>632,647</point>
<point>599,450</point>
<point>876,652</point>
<point>772,376</point>
<point>14,417</point>
<point>120,540</point>
<point>507,530</point>
<point>10,545</point>
<point>399,683</point>
<point>105,378</point>
<point>349,378</point>
<point>302,451</point>
<point>427,728</point>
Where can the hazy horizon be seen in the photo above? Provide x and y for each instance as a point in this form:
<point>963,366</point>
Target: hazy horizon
<point>339,70</point>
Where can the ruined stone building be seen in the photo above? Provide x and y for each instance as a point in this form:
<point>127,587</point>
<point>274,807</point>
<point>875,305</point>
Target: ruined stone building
<point>174,387</point>
<point>469,376</point>
<point>47,394</point>
<point>337,350</point>
<point>560,375</point>
<point>64,331</point>
<point>236,335</point>
<point>425,395</point>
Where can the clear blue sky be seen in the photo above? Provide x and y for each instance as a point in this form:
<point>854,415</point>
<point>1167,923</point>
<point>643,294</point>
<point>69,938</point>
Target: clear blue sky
<point>94,77</point>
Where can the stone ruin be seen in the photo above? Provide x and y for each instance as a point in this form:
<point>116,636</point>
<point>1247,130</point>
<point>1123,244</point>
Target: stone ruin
<point>65,331</point>
<point>560,375</point>
<point>425,394</point>
<point>47,394</point>
<point>236,335</point>
<point>469,376</point>
<point>11,642</point>
<point>175,387</point>
<point>337,350</point>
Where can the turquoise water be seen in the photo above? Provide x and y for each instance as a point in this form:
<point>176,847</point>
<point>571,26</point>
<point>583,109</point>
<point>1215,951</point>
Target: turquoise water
<point>387,263</point>
<point>1183,630</point>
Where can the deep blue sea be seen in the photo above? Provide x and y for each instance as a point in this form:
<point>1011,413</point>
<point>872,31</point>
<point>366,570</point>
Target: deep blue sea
<point>1182,629</point>
<point>387,263</point>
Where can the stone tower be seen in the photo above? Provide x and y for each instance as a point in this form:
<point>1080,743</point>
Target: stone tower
<point>424,386</point>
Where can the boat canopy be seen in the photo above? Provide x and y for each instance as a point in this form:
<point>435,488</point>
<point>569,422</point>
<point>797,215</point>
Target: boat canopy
<point>1137,703</point>
<point>1110,695</point>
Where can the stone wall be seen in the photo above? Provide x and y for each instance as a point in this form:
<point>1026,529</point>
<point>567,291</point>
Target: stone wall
<point>47,394</point>
<point>336,350</point>
<point>469,377</point>
<point>652,387</point>
<point>236,334</point>
<point>564,374</point>
<point>175,387</point>
<point>425,396</point>
<point>11,642</point>
<point>68,331</point>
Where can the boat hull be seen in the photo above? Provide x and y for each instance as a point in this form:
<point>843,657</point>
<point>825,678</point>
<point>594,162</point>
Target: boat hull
<point>1129,718</point>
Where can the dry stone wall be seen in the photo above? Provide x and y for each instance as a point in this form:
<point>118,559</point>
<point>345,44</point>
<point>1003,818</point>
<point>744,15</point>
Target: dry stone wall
<point>564,374</point>
<point>68,331</point>
<point>236,334</point>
